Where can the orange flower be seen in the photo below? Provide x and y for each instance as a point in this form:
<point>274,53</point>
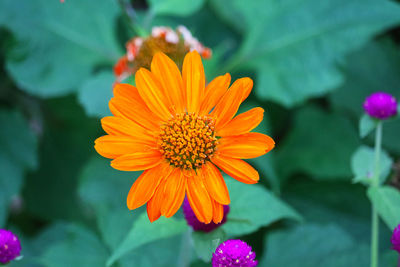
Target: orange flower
<point>178,130</point>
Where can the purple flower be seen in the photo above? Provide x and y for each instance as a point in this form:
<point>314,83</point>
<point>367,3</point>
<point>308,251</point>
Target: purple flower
<point>234,252</point>
<point>380,105</point>
<point>192,220</point>
<point>10,247</point>
<point>396,239</point>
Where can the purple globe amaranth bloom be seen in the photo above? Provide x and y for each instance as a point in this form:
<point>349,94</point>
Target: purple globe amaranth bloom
<point>396,239</point>
<point>234,252</point>
<point>10,247</point>
<point>380,105</point>
<point>192,220</point>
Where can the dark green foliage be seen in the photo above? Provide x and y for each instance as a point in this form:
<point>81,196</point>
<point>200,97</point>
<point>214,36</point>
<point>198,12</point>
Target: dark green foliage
<point>313,63</point>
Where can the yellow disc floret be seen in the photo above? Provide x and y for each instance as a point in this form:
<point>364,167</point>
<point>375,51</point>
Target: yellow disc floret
<point>188,140</point>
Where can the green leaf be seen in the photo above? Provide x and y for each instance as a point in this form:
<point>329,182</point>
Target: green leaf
<point>319,144</point>
<point>80,247</point>
<point>95,94</point>
<point>364,76</point>
<point>206,243</point>
<point>18,152</point>
<point>144,232</point>
<point>113,217</point>
<point>69,40</point>
<point>252,207</point>
<point>363,165</point>
<point>175,7</point>
<point>161,253</point>
<point>295,46</point>
<point>316,245</point>
<point>98,177</point>
<point>66,145</point>
<point>387,202</point>
<point>366,125</point>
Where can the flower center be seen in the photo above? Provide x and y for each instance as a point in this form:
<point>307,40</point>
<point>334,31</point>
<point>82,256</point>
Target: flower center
<point>187,141</point>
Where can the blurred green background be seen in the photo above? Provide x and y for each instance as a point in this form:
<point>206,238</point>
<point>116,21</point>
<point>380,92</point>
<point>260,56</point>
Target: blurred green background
<point>313,63</point>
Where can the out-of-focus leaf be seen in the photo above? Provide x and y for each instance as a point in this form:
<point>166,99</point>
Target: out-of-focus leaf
<point>96,180</point>
<point>252,207</point>
<point>113,217</point>
<point>316,245</point>
<point>67,142</point>
<point>294,46</point>
<point>18,152</point>
<point>387,202</point>
<point>175,7</point>
<point>161,253</point>
<point>95,94</point>
<point>144,232</point>
<point>363,165</point>
<point>323,203</point>
<point>320,144</point>
<point>206,243</point>
<point>65,45</point>
<point>80,247</point>
<point>366,125</point>
<point>364,76</point>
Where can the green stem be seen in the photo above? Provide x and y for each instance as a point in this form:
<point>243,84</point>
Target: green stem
<point>375,183</point>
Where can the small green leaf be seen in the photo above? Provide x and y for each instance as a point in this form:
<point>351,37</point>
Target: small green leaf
<point>143,232</point>
<point>175,7</point>
<point>363,165</point>
<point>387,202</point>
<point>366,125</point>
<point>95,94</point>
<point>206,243</point>
<point>253,206</point>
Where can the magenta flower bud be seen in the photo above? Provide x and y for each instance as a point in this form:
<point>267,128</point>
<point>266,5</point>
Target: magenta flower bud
<point>10,247</point>
<point>234,252</point>
<point>396,239</point>
<point>192,220</point>
<point>380,105</point>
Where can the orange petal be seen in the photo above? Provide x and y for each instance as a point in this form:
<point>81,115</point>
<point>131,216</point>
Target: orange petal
<point>218,212</point>
<point>112,146</point>
<point>215,183</point>
<point>242,123</point>
<point>214,92</point>
<point>123,127</point>
<point>151,92</point>
<point>137,161</point>
<point>174,193</point>
<point>154,204</point>
<point>170,79</point>
<point>143,188</point>
<point>128,92</point>
<point>134,111</point>
<point>237,169</point>
<point>245,146</point>
<point>193,80</point>
<point>248,85</point>
<point>230,102</point>
<point>199,199</point>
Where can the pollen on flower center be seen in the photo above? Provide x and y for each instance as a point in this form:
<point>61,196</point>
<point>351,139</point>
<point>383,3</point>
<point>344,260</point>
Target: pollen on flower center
<point>187,141</point>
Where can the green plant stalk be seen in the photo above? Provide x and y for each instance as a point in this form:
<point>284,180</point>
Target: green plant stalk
<point>375,183</point>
